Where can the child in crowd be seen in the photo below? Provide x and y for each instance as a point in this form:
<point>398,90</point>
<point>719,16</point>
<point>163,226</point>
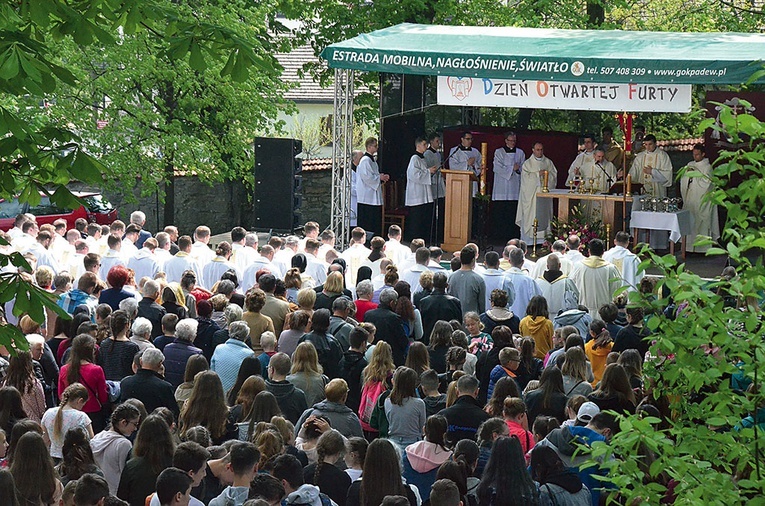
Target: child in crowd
<point>509,359</point>
<point>572,408</point>
<point>479,341</point>
<point>372,330</point>
<point>268,342</point>
<point>355,453</point>
<point>435,401</point>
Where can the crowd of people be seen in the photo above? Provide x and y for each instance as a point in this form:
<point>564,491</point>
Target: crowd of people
<point>292,373</point>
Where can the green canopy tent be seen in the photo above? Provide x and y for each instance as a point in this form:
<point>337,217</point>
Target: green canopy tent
<point>599,56</point>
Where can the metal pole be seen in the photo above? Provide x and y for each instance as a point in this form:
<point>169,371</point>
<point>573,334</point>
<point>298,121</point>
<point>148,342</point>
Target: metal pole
<point>342,144</point>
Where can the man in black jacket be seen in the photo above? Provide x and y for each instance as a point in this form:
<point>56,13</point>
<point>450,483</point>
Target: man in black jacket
<point>147,384</point>
<point>438,306</point>
<point>465,415</point>
<point>389,326</point>
<point>352,366</point>
<point>149,309</point>
<point>291,400</point>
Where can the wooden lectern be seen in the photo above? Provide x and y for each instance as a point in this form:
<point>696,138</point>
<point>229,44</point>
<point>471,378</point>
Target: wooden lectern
<point>459,208</point>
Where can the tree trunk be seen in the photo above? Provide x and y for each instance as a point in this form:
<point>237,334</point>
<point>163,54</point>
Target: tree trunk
<point>169,214</point>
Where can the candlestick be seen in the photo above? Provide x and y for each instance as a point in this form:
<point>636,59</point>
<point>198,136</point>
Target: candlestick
<point>484,157</point>
<point>628,187</point>
<point>536,227</point>
<point>608,234</point>
<point>545,179</point>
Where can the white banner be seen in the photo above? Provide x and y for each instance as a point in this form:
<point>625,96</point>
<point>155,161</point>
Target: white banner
<point>632,97</point>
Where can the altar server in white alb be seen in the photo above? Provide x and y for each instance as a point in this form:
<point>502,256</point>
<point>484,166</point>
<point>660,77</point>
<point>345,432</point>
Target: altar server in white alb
<point>369,189</point>
<point>693,188</point>
<point>437,186</point>
<point>529,207</point>
<point>624,260</point>
<point>419,195</point>
<point>508,161</point>
<point>465,157</point>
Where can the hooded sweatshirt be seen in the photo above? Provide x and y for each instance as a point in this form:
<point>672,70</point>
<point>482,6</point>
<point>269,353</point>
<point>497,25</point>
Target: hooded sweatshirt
<point>497,316</point>
<point>291,399</point>
<point>306,495</point>
<point>340,416</point>
<point>566,440</point>
<point>579,319</point>
<point>541,329</point>
<point>231,496</point>
<point>110,451</point>
<point>421,462</point>
<point>597,358</point>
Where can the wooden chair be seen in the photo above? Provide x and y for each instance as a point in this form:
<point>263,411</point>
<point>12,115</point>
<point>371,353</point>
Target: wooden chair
<point>394,212</point>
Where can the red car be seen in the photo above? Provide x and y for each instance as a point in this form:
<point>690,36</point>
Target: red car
<point>96,210</point>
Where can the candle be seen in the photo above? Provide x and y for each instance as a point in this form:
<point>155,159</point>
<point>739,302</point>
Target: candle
<point>484,157</point>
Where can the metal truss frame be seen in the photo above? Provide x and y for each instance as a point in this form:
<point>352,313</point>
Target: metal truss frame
<point>342,146</point>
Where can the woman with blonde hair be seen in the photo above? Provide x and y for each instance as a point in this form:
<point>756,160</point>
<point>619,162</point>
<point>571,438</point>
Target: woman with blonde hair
<point>20,374</point>
<point>332,289</point>
<point>207,407</point>
<point>306,299</point>
<point>306,373</point>
<point>575,373</point>
<point>58,421</point>
<point>376,378</point>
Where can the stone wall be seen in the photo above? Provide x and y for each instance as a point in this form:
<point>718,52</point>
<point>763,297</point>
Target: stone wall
<point>317,197</point>
<point>221,206</point>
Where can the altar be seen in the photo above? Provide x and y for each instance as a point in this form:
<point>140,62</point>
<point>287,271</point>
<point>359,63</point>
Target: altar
<point>612,206</point>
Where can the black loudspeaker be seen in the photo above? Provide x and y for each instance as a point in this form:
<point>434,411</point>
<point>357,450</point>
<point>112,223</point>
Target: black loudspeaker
<point>278,184</point>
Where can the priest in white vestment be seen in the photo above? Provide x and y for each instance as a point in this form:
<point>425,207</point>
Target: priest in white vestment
<point>596,279</point>
<point>653,169</point>
<point>529,208</point>
<point>693,188</point>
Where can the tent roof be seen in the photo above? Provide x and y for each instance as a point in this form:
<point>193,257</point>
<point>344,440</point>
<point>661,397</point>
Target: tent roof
<point>610,56</point>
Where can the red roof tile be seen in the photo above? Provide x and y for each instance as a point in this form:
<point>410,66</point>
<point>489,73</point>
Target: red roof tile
<point>314,164</point>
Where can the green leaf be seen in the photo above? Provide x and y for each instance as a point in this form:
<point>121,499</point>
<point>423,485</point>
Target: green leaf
<point>196,58</point>
<point>10,65</point>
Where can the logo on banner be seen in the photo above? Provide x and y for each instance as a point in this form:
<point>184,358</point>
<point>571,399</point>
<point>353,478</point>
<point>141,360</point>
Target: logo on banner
<point>459,86</point>
<point>577,68</point>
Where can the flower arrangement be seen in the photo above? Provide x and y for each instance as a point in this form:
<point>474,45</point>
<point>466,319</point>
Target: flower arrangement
<point>586,225</point>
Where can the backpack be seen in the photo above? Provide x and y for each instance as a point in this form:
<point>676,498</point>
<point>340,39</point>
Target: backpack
<point>369,395</point>
<point>379,419</point>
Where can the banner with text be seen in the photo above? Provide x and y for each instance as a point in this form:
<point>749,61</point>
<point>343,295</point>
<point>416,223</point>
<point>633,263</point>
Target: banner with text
<point>631,97</point>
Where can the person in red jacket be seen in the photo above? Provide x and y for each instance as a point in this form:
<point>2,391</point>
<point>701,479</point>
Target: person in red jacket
<point>81,369</point>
